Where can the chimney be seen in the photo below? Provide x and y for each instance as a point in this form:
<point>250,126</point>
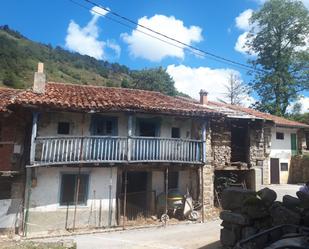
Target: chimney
<point>203,97</point>
<point>39,79</point>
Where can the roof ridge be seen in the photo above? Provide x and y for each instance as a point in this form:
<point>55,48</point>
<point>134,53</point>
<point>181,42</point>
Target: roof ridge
<point>265,114</point>
<point>106,87</point>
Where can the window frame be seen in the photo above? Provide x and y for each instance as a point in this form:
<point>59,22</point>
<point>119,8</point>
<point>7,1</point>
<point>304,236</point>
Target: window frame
<point>278,135</point>
<point>82,203</point>
<point>174,129</point>
<point>62,123</point>
<point>284,164</point>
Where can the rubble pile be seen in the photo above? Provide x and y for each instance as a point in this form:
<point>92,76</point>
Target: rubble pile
<point>246,212</point>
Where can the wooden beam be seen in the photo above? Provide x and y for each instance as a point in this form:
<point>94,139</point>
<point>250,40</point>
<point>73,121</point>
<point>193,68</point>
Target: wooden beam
<point>204,142</point>
<point>33,136</point>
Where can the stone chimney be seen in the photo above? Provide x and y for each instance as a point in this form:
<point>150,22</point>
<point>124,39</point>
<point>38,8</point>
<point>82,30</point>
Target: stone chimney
<point>39,79</point>
<point>203,97</point>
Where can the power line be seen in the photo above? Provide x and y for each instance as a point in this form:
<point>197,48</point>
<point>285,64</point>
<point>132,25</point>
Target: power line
<point>182,45</point>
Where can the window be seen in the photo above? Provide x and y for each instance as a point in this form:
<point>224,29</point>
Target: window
<point>148,127</point>
<point>279,135</point>
<point>284,166</point>
<point>64,128</point>
<point>104,126</point>
<point>173,179</point>
<point>175,132</point>
<point>68,188</point>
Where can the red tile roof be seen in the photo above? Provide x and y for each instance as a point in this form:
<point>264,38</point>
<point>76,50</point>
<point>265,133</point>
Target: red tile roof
<point>72,97</point>
<point>277,120</point>
<point>6,94</point>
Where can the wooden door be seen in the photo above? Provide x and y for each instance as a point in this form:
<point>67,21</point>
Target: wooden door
<point>274,171</point>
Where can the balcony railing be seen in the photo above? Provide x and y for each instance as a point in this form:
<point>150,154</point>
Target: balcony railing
<point>113,149</point>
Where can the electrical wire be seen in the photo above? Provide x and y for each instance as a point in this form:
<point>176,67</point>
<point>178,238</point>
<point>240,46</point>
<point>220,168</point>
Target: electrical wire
<point>175,42</point>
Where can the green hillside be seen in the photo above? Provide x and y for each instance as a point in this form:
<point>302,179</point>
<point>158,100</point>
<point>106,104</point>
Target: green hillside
<point>19,57</point>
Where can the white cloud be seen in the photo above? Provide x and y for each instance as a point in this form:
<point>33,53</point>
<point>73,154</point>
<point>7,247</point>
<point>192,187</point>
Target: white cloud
<point>97,11</point>
<point>191,80</point>
<point>85,40</point>
<point>242,21</point>
<point>143,46</point>
<point>304,101</point>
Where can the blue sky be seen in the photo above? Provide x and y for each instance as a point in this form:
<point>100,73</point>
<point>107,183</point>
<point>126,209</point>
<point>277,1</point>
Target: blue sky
<point>209,25</point>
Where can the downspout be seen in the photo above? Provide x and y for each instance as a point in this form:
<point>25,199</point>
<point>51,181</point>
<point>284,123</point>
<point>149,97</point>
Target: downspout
<point>28,170</point>
<point>110,211</point>
<point>202,167</point>
<point>79,169</point>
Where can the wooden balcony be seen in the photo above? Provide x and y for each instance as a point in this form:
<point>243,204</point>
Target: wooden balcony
<point>115,149</point>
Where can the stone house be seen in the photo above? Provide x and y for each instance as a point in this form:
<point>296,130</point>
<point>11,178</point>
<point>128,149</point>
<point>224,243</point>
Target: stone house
<point>100,154</point>
<point>102,157</point>
<point>13,154</point>
<point>263,142</point>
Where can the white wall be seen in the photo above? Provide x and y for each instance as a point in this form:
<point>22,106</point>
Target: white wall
<point>281,149</point>
<point>45,196</point>
<point>48,123</point>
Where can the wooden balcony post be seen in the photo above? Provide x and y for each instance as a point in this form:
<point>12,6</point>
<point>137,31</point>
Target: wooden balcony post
<point>33,136</point>
<point>204,142</point>
<point>130,133</point>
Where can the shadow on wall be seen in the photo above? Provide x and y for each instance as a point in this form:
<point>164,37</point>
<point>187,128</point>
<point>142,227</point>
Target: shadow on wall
<point>214,245</point>
<point>299,169</point>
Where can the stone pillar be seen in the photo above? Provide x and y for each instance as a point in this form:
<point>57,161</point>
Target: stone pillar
<point>208,191</point>
<point>207,179</point>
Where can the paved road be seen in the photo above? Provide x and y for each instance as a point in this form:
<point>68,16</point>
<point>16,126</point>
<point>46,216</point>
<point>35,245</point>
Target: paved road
<point>284,189</point>
<point>185,236</point>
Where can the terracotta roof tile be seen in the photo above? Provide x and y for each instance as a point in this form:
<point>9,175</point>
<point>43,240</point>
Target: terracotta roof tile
<point>6,94</point>
<point>277,120</point>
<point>93,98</point>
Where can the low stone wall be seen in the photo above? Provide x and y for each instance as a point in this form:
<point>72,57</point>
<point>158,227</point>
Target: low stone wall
<point>247,212</point>
<point>299,169</point>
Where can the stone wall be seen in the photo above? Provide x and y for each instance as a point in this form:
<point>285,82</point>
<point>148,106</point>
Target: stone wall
<point>221,142</point>
<point>299,169</point>
<point>256,144</point>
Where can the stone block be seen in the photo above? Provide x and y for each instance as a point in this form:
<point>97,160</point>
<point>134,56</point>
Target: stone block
<point>282,215</point>
<point>268,196</point>
<point>233,198</point>
<point>247,232</point>
<point>304,199</point>
<point>290,202</point>
<point>229,237</point>
<point>234,218</point>
<point>255,208</point>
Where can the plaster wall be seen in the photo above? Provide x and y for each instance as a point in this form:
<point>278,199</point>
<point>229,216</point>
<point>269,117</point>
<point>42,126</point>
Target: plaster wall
<point>48,123</point>
<point>281,149</point>
<point>46,213</point>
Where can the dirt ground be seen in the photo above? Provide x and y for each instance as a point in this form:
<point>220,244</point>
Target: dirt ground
<point>29,245</point>
<point>184,236</point>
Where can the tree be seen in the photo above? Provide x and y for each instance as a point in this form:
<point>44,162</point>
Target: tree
<point>278,39</point>
<point>236,90</point>
<point>156,79</point>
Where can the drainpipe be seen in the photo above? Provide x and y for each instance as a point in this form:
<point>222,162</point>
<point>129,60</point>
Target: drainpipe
<point>110,198</point>
<point>125,199</point>
<point>166,193</point>
<point>79,169</point>
<point>28,170</point>
<point>202,167</point>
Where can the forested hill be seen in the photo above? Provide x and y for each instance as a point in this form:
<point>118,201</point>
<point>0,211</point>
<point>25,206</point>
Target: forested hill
<point>19,57</point>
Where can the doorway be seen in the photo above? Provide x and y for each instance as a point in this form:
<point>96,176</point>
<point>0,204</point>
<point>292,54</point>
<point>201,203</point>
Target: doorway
<point>239,141</point>
<point>140,199</point>
<point>274,171</point>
